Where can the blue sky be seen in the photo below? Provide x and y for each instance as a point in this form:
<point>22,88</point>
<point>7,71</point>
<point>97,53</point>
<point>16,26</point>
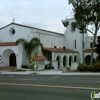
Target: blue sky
<point>44,14</point>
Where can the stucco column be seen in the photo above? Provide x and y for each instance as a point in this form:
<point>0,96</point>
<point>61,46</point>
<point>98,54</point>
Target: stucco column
<point>67,61</point>
<point>53,56</point>
<point>72,65</point>
<point>61,63</point>
<point>19,56</point>
<point>55,65</point>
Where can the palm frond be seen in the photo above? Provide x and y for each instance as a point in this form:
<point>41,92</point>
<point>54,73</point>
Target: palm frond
<point>35,42</point>
<point>29,46</point>
<point>21,40</point>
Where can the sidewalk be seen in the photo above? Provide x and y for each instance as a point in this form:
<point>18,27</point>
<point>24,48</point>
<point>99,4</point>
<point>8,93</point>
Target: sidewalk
<point>49,72</point>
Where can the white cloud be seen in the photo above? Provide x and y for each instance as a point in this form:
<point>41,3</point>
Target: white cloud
<point>46,14</point>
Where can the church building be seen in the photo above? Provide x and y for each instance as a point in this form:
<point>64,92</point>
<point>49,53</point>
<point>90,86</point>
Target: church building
<point>61,50</point>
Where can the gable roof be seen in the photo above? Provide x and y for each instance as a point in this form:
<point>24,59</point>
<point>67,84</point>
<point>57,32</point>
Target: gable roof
<point>29,27</point>
<point>8,44</point>
<point>59,50</point>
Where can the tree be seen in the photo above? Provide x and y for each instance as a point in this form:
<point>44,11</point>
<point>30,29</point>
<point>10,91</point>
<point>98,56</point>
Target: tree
<point>98,48</point>
<point>29,45</point>
<point>33,62</point>
<point>87,12</point>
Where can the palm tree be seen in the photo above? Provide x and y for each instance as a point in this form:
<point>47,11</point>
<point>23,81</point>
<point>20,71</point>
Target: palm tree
<point>29,45</point>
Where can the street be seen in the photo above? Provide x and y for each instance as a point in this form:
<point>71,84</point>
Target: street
<point>48,87</point>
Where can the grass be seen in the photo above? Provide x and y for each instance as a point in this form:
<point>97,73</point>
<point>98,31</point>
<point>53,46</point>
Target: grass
<point>18,70</point>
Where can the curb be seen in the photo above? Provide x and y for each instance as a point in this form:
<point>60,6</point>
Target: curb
<point>46,73</point>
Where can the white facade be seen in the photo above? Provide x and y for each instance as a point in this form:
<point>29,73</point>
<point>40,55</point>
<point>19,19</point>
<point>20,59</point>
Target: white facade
<point>70,40</point>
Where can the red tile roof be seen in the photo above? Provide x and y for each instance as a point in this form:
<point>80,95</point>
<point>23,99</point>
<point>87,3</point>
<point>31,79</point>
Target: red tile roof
<point>41,58</point>
<point>8,44</point>
<point>88,50</point>
<point>59,50</point>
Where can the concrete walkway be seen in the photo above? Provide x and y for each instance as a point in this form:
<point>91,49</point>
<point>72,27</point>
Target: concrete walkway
<point>48,72</point>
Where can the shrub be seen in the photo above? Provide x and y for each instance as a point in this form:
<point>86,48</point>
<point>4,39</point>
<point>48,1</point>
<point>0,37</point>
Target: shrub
<point>96,67</point>
<point>48,66</point>
<point>19,70</point>
<point>68,68</point>
<point>25,66</point>
<point>90,68</point>
<point>82,67</point>
<point>52,67</point>
<point>33,69</point>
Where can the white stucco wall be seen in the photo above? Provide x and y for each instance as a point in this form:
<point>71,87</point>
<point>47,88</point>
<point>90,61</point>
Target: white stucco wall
<point>71,36</point>
<point>5,52</point>
<point>49,40</point>
<point>73,64</point>
<point>40,65</point>
<point>20,32</point>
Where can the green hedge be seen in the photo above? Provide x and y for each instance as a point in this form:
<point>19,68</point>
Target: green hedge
<point>83,67</point>
<point>96,67</point>
<point>48,66</point>
<point>89,68</point>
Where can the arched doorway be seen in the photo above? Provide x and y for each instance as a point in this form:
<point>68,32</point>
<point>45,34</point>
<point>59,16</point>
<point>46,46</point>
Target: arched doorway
<point>70,60</point>
<point>8,59</point>
<point>58,59</point>
<point>12,60</point>
<point>64,61</point>
<point>87,59</point>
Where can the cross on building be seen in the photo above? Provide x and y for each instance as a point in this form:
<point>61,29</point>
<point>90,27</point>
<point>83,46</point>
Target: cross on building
<point>13,20</point>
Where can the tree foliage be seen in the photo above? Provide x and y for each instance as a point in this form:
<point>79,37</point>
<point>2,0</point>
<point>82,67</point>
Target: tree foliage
<point>87,12</point>
<point>33,62</point>
<point>65,23</point>
<point>29,45</point>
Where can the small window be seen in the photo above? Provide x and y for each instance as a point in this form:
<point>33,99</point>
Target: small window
<point>64,48</point>
<point>12,31</point>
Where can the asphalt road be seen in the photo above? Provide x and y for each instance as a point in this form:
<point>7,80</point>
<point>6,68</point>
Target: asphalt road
<point>48,87</point>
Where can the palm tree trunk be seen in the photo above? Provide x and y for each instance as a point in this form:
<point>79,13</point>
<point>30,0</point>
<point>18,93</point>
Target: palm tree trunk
<point>94,40</point>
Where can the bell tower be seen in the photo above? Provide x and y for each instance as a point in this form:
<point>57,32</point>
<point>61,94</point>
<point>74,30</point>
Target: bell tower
<point>73,37</point>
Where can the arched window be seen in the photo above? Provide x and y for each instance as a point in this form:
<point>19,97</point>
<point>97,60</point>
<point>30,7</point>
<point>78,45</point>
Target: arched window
<point>87,59</point>
<point>64,61</point>
<point>73,26</point>
<point>75,58</point>
<point>70,60</point>
<point>58,59</point>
